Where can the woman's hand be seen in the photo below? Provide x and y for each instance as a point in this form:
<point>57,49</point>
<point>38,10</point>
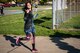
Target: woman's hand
<point>28,10</point>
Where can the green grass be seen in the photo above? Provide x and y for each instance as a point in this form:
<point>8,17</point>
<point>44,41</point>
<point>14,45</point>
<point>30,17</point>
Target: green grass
<point>13,8</point>
<point>11,24</point>
<point>42,31</point>
<point>73,23</point>
<point>14,24</point>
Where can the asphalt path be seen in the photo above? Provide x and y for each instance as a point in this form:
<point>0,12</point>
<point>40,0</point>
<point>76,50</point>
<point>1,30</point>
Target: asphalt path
<point>9,12</point>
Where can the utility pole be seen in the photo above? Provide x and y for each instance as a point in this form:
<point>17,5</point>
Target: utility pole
<point>54,14</point>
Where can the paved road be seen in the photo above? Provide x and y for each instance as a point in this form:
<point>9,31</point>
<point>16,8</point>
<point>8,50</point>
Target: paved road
<point>9,12</point>
<point>43,44</point>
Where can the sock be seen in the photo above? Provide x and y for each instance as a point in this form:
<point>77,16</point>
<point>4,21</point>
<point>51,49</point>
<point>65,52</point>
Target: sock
<point>33,46</point>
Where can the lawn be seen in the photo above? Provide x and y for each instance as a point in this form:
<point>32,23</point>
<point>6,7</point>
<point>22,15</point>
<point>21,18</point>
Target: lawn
<point>73,23</point>
<point>13,8</point>
<point>14,24</point>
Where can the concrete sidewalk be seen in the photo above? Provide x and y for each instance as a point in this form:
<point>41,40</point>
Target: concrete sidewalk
<point>43,44</point>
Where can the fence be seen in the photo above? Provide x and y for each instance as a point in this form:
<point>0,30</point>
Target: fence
<point>64,10</point>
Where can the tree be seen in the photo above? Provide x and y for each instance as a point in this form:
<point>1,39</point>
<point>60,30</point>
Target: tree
<point>3,0</point>
<point>43,1</point>
<point>19,0</point>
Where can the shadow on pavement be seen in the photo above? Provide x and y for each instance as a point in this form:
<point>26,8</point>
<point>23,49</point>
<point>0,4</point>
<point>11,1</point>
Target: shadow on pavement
<point>11,39</point>
<point>13,42</point>
<point>57,39</point>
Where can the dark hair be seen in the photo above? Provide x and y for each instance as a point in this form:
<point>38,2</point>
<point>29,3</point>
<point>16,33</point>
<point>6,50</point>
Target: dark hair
<point>26,5</point>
